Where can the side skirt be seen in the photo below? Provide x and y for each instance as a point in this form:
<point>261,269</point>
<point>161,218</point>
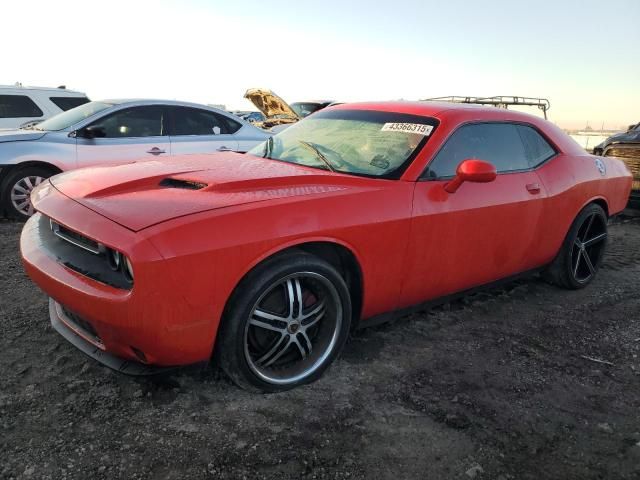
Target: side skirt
<point>429,304</point>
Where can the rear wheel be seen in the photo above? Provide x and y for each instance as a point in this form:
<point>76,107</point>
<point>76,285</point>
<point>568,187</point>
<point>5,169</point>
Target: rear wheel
<point>286,323</point>
<point>16,195</point>
<point>582,250</point>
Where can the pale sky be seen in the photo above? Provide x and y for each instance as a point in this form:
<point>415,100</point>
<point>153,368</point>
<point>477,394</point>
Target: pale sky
<point>582,55</point>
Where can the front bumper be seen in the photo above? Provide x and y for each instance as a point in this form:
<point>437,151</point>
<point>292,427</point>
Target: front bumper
<point>152,323</point>
<point>64,326</point>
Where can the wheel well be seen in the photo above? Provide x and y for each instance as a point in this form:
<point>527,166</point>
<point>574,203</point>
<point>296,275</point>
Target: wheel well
<point>343,260</point>
<point>6,170</point>
<point>54,170</point>
<point>603,204</point>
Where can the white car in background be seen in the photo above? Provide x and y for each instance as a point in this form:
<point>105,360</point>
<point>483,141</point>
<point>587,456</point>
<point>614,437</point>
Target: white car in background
<point>112,132</point>
<point>20,105</point>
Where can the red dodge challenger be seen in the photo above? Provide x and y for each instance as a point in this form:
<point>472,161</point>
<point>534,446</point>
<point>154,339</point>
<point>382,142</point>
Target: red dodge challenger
<point>355,214</point>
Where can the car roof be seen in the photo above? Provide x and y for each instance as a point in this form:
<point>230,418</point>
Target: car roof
<point>440,109</point>
<point>18,88</point>
<point>454,114</point>
<point>151,101</point>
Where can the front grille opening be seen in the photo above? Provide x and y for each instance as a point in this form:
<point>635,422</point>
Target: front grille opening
<point>184,184</point>
<point>81,254</point>
<point>83,326</point>
<point>75,238</point>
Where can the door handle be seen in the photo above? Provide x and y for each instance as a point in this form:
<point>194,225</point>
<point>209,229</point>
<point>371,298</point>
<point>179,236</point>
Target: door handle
<point>533,187</point>
<point>155,151</point>
<point>224,149</point>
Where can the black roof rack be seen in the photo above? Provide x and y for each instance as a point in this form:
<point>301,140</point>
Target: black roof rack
<point>500,101</point>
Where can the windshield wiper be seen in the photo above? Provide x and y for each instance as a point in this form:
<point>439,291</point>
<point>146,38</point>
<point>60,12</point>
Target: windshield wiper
<point>319,154</point>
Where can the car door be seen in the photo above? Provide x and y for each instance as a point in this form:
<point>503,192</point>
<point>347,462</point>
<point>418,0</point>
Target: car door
<point>131,134</point>
<point>484,231</point>
<point>195,130</point>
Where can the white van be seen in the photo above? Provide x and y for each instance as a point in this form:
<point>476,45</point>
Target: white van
<point>21,106</point>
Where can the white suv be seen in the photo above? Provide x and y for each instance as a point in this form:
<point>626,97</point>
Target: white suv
<point>20,106</point>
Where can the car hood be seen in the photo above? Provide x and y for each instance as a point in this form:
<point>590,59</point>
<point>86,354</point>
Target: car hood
<point>271,105</point>
<point>142,194</point>
<point>20,135</point>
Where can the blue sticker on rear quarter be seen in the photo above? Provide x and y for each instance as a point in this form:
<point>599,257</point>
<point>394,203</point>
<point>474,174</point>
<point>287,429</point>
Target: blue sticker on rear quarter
<point>418,128</point>
<point>601,167</point>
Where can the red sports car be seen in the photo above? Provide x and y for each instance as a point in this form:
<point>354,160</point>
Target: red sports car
<point>268,259</point>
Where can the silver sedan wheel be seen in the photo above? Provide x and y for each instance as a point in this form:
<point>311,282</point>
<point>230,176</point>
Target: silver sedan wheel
<point>293,328</point>
<point>21,194</point>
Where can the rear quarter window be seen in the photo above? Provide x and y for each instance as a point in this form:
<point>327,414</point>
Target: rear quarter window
<point>67,103</point>
<point>18,106</point>
<point>536,148</point>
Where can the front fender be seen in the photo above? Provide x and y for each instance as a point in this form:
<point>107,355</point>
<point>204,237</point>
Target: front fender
<point>58,150</point>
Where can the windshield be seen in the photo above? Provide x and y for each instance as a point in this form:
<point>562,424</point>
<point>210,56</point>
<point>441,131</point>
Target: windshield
<point>359,142</point>
<point>71,117</point>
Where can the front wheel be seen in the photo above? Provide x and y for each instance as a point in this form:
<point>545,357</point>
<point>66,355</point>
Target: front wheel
<point>285,324</point>
<point>582,250</point>
<point>16,198</point>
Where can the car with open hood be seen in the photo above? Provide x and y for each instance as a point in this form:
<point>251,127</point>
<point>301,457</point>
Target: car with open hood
<point>266,261</point>
<point>278,114</point>
<point>112,132</point>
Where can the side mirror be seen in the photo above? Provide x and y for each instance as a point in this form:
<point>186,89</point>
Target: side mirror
<point>92,131</point>
<point>471,170</point>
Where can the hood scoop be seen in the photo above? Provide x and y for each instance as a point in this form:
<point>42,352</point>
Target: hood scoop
<point>182,184</point>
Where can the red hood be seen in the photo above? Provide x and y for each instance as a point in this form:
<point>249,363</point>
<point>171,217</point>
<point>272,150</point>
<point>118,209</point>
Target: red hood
<point>142,194</point>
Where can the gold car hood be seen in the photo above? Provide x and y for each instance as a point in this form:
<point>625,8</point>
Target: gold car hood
<point>275,110</point>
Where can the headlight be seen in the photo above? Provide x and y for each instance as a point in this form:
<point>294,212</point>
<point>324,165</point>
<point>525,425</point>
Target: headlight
<point>118,262</point>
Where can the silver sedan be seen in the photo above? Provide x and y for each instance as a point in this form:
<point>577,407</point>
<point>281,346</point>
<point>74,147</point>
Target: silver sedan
<point>112,132</point>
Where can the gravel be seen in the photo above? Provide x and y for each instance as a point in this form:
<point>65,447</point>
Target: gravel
<point>493,386</point>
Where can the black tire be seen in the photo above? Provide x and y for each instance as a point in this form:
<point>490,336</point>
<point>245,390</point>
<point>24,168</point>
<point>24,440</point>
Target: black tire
<point>13,179</point>
<point>578,261</point>
<point>255,357</point>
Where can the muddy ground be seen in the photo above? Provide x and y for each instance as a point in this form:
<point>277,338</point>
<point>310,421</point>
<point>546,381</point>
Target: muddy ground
<point>493,386</point>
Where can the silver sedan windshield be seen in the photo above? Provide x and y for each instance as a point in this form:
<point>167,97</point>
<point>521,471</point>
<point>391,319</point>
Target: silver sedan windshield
<point>71,117</point>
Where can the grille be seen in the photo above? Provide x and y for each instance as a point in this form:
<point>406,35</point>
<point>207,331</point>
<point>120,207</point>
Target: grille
<point>75,238</point>
<point>631,156</point>
<point>79,253</point>
<point>82,325</point>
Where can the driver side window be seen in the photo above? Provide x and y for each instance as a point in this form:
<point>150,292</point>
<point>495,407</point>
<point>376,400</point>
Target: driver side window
<point>145,121</point>
<point>497,143</point>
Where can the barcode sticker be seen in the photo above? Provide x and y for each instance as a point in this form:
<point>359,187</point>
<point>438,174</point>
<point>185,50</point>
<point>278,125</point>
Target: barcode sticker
<point>419,128</point>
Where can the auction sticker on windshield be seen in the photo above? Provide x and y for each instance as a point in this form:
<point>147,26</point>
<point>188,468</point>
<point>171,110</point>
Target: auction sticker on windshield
<point>418,128</point>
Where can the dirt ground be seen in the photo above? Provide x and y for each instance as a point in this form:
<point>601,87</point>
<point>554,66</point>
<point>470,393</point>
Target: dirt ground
<point>494,386</point>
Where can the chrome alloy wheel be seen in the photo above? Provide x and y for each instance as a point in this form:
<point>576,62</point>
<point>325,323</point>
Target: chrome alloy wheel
<point>21,194</point>
<point>588,247</point>
<point>293,328</point>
